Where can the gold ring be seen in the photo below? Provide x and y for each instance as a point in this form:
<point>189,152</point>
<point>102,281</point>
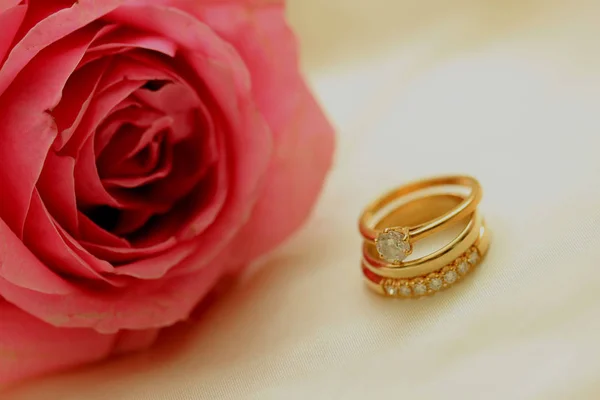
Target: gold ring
<point>425,214</point>
<point>395,243</point>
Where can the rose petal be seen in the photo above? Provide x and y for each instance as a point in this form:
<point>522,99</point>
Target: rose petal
<point>188,101</point>
<point>88,187</point>
<point>227,80</point>
<point>129,341</point>
<point>77,96</point>
<point>98,110</point>
<point>211,241</point>
<point>20,267</point>
<point>193,6</point>
<point>183,104</point>
<point>50,30</point>
<point>131,221</point>
<point>128,143</point>
<point>30,347</point>
<point>91,233</point>
<point>304,139</point>
<point>197,39</point>
<point>295,179</point>
<point>122,255</point>
<point>28,128</point>
<point>56,182</point>
<point>39,11</point>
<point>57,187</point>
<point>190,217</point>
<point>125,68</point>
<point>144,305</point>
<point>258,31</point>
<point>46,240</point>
<point>149,136</point>
<point>153,268</point>
<point>217,74</point>
<point>90,191</point>
<point>125,37</point>
<point>186,171</point>
<point>96,264</point>
<point>6,4</point>
<point>173,99</point>
<point>212,227</point>
<point>92,194</point>
<point>245,182</point>
<point>134,115</point>
<point>133,174</point>
<point>209,201</point>
<point>10,21</point>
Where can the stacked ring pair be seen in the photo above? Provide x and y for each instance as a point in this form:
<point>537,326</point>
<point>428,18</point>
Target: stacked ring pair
<point>393,225</point>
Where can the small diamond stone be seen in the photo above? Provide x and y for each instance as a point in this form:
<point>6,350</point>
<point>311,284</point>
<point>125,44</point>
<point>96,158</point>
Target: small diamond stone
<point>474,257</point>
<point>393,246</point>
<point>435,284</point>
<point>450,276</point>
<point>390,290</point>
<point>405,291</point>
<point>463,267</point>
<point>420,289</point>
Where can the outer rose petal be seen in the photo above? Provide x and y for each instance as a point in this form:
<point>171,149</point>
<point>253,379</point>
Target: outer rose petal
<point>51,30</point>
<point>28,128</point>
<point>295,179</point>
<point>21,268</point>
<point>143,305</point>
<point>10,20</point>
<point>30,347</point>
<point>304,139</point>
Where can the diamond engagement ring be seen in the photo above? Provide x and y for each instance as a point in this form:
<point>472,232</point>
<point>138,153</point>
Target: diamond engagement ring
<point>392,225</point>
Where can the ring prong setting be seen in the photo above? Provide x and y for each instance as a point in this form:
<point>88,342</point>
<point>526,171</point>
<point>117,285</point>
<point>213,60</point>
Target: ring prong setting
<point>393,245</point>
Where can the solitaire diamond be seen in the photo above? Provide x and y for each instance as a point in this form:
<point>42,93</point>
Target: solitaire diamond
<point>393,246</point>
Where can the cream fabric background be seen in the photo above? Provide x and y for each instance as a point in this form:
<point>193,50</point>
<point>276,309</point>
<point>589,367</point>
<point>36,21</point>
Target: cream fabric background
<point>508,91</point>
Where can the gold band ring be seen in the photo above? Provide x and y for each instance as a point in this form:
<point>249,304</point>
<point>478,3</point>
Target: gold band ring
<point>441,268</point>
<point>395,243</point>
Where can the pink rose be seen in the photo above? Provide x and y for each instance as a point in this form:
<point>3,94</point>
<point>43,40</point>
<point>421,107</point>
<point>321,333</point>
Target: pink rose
<point>147,148</point>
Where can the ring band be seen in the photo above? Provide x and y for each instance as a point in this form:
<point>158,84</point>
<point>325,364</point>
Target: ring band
<point>431,283</point>
<point>401,238</point>
<point>439,269</point>
<point>433,261</point>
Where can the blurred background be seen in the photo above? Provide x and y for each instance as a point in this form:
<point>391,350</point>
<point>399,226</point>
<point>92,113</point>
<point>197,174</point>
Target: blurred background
<point>349,30</point>
<point>505,90</point>
<point>341,31</point>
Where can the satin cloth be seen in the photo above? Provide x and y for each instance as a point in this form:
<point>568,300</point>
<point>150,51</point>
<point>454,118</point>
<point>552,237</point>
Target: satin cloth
<point>508,91</point>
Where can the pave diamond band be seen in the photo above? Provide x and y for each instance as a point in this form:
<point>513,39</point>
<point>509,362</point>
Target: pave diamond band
<point>429,284</point>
